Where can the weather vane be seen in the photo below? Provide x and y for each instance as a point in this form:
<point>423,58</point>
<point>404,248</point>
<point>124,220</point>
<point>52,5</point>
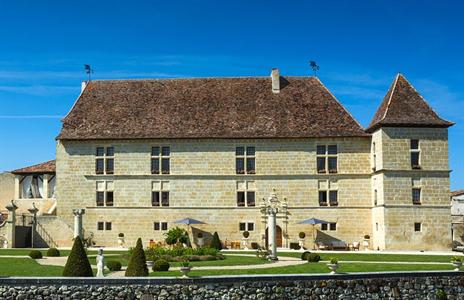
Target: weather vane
<point>314,66</point>
<point>88,70</point>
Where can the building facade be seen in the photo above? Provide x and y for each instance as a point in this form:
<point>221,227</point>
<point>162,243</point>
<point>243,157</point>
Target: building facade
<point>138,155</point>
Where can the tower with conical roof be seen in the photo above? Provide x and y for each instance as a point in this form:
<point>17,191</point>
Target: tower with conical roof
<point>410,172</point>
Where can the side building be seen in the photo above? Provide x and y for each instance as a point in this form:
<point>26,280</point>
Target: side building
<point>138,155</point>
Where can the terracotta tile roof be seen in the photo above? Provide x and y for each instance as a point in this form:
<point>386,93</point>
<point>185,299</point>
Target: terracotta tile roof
<point>207,108</point>
<point>403,106</point>
<point>457,193</point>
<point>42,168</point>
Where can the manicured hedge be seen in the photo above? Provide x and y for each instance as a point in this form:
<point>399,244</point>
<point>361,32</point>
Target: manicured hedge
<point>113,265</point>
<point>137,264</point>
<point>53,252</point>
<point>78,264</point>
<point>314,257</point>
<point>161,265</point>
<point>35,254</point>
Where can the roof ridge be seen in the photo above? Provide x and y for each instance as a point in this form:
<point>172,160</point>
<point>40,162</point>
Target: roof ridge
<point>390,98</point>
<point>207,77</point>
<point>339,103</point>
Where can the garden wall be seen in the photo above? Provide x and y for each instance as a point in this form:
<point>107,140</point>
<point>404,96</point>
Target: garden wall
<point>407,285</point>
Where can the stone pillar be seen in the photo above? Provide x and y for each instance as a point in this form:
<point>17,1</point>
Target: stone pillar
<point>78,213</point>
<point>271,225</point>
<point>17,191</point>
<point>46,178</point>
<point>11,224</point>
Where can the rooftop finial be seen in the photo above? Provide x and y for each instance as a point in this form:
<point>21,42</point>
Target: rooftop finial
<point>88,70</point>
<point>314,66</point>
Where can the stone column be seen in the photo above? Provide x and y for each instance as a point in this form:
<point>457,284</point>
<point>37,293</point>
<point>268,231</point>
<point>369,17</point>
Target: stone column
<point>271,225</point>
<point>46,178</point>
<point>78,213</point>
<point>11,224</point>
<point>17,191</point>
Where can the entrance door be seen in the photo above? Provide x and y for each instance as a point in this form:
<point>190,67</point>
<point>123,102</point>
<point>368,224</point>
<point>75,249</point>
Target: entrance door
<point>278,237</point>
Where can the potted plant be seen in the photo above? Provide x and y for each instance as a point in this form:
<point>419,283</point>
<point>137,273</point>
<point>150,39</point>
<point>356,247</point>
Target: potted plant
<point>333,265</point>
<point>366,241</point>
<point>301,240</point>
<point>246,235</point>
<point>185,268</point>
<point>121,239</point>
<point>457,262</point>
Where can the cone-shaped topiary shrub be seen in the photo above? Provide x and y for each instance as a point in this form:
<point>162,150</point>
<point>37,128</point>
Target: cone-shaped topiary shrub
<point>216,242</point>
<point>137,264</point>
<point>77,264</point>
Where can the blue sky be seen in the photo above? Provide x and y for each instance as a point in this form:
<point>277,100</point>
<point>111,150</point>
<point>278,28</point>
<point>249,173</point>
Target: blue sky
<point>359,45</point>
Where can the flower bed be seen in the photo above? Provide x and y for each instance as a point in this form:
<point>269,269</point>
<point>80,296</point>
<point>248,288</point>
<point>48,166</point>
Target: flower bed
<point>182,254</point>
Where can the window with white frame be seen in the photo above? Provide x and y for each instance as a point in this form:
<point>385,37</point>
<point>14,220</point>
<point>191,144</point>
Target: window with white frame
<point>328,192</point>
<point>31,187</point>
<point>417,227</point>
<point>245,160</point>
<point>246,193</point>
<point>105,193</point>
<point>104,161</point>
<point>327,158</point>
<point>415,154</point>
<point>416,191</point>
<point>246,226</point>
<point>329,226</point>
<point>161,160</point>
<point>160,193</point>
<point>160,226</point>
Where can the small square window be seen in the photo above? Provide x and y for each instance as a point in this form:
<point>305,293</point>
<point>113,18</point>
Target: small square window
<point>417,227</point>
<point>164,226</point>
<point>242,226</point>
<point>108,226</point>
<point>251,226</point>
<point>333,226</point>
<point>100,225</point>
<point>320,149</point>
<point>110,151</point>
<point>165,151</point>
<point>156,225</point>
<point>240,151</point>
<point>414,144</point>
<point>100,151</point>
<point>324,226</point>
<point>250,151</point>
<point>332,149</point>
<point>155,151</point>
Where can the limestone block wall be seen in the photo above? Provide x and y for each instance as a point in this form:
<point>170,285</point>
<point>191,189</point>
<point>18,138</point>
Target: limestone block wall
<point>378,228</point>
<point>433,144</point>
<point>434,235</point>
<point>6,189</point>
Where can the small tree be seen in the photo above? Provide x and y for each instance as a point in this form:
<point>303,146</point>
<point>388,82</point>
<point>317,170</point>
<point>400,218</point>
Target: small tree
<point>77,264</point>
<point>216,242</point>
<point>137,264</point>
<point>176,235</point>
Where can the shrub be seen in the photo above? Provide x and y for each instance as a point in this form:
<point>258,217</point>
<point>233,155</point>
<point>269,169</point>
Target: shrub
<point>246,234</point>
<point>77,264</point>
<point>35,254</point>
<point>456,259</point>
<point>441,295</point>
<point>170,254</point>
<point>176,235</point>
<point>207,257</point>
<point>113,265</point>
<point>333,260</point>
<point>161,265</point>
<point>121,235</point>
<point>302,235</point>
<point>295,246</point>
<point>366,237</point>
<point>216,242</point>
<point>137,264</point>
<point>304,255</point>
<point>53,252</point>
<point>314,257</point>
<point>254,245</point>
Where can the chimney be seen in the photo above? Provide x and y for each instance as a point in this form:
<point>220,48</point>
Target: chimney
<point>275,80</point>
<point>83,85</point>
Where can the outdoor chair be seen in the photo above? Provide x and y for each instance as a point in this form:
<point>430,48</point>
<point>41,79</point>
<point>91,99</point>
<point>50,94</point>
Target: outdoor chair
<point>356,246</point>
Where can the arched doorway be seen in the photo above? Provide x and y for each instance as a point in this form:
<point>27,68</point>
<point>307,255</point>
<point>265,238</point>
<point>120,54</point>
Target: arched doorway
<point>278,237</point>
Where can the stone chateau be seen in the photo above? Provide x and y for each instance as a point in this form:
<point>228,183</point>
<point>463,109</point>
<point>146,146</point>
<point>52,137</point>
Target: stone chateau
<point>138,155</point>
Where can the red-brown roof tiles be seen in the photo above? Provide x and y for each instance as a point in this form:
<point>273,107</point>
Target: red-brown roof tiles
<point>207,108</point>
<point>42,168</point>
<point>403,106</point>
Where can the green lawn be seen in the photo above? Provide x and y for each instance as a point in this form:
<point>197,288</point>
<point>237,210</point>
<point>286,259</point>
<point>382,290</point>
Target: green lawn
<point>231,260</point>
<point>313,268</point>
<point>361,256</point>
<point>26,267</point>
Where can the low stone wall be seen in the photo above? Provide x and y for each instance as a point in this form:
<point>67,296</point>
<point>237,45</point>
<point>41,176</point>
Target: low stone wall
<point>418,285</point>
